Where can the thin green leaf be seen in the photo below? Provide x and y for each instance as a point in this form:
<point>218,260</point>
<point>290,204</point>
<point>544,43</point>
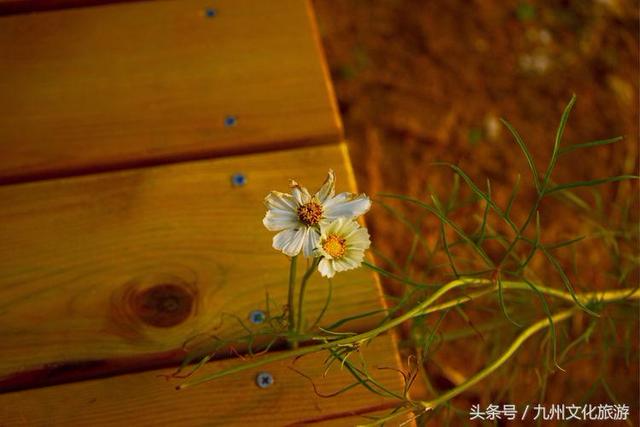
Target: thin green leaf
<point>365,382</point>
<point>567,283</point>
<point>342,321</point>
<point>458,230</point>
<point>564,243</point>
<point>327,331</point>
<point>525,151</point>
<point>469,331</point>
<point>502,304</point>
<point>483,224</point>
<point>514,193</point>
<point>407,296</point>
<point>445,246</point>
<point>583,337</point>
<point>573,147</point>
<point>552,326</point>
<point>393,276</point>
<point>474,188</point>
<point>379,255</point>
<point>589,183</point>
<point>556,146</point>
<point>410,256</point>
<point>432,333</point>
<point>415,229</point>
<point>444,219</point>
<point>453,195</point>
<point>438,205</point>
<point>534,244</point>
<point>573,198</point>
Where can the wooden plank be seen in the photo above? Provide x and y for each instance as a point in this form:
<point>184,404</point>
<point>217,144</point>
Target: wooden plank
<point>99,271</point>
<point>131,84</point>
<point>146,399</point>
<point>9,7</point>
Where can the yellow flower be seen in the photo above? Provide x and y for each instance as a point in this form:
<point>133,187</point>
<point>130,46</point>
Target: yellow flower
<point>341,246</point>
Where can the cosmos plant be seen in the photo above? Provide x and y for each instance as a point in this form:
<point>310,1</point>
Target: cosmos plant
<point>323,228</point>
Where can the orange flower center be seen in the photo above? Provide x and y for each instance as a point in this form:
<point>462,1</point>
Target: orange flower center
<point>334,245</point>
<point>310,213</point>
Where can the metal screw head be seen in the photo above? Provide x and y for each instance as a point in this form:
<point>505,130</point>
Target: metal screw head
<point>264,379</point>
<point>238,179</point>
<point>210,12</point>
<point>257,316</point>
<point>230,121</point>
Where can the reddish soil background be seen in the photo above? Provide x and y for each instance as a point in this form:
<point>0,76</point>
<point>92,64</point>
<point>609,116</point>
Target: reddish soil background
<point>424,81</point>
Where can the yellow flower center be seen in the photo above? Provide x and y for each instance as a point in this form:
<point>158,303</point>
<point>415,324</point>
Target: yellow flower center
<point>310,213</point>
<point>334,245</point>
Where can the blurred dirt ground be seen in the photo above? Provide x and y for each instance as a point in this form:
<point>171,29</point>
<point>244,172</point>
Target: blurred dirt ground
<point>425,81</point>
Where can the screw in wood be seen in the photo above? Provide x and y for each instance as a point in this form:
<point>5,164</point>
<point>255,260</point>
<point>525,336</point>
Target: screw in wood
<point>264,379</point>
<point>238,179</point>
<point>230,121</point>
<point>210,12</point>
<point>257,317</point>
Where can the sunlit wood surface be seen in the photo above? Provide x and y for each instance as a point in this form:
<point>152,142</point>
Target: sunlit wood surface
<point>147,399</point>
<point>134,263</point>
<point>138,83</point>
<point>125,235</point>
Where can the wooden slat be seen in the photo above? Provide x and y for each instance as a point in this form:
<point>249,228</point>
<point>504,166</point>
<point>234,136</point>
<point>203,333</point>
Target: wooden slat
<point>146,399</point>
<point>99,270</point>
<point>152,82</point>
<point>8,7</point>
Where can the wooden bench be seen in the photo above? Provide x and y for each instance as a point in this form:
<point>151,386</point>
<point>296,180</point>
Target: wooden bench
<point>138,142</point>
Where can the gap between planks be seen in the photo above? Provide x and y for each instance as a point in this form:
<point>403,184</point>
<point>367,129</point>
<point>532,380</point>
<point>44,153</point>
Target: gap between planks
<point>146,399</point>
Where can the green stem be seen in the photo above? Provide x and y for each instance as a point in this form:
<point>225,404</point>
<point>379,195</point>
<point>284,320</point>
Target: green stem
<point>292,286</point>
<point>303,287</point>
<point>365,336</point>
<point>585,297</point>
<point>420,309</point>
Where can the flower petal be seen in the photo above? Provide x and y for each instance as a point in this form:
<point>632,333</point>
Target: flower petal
<point>344,264</point>
<point>289,241</point>
<point>325,267</point>
<point>355,257</point>
<point>277,219</point>
<point>300,194</point>
<point>332,227</point>
<point>282,201</point>
<point>328,188</point>
<point>310,242</point>
<point>346,205</point>
<point>358,239</point>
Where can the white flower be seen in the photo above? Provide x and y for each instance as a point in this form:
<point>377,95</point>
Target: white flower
<point>342,245</point>
<point>298,216</point>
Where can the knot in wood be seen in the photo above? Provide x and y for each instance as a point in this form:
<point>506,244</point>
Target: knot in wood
<point>163,305</point>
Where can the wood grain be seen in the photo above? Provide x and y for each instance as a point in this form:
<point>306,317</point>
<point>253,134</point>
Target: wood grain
<point>141,83</point>
<point>147,399</point>
<point>130,264</point>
